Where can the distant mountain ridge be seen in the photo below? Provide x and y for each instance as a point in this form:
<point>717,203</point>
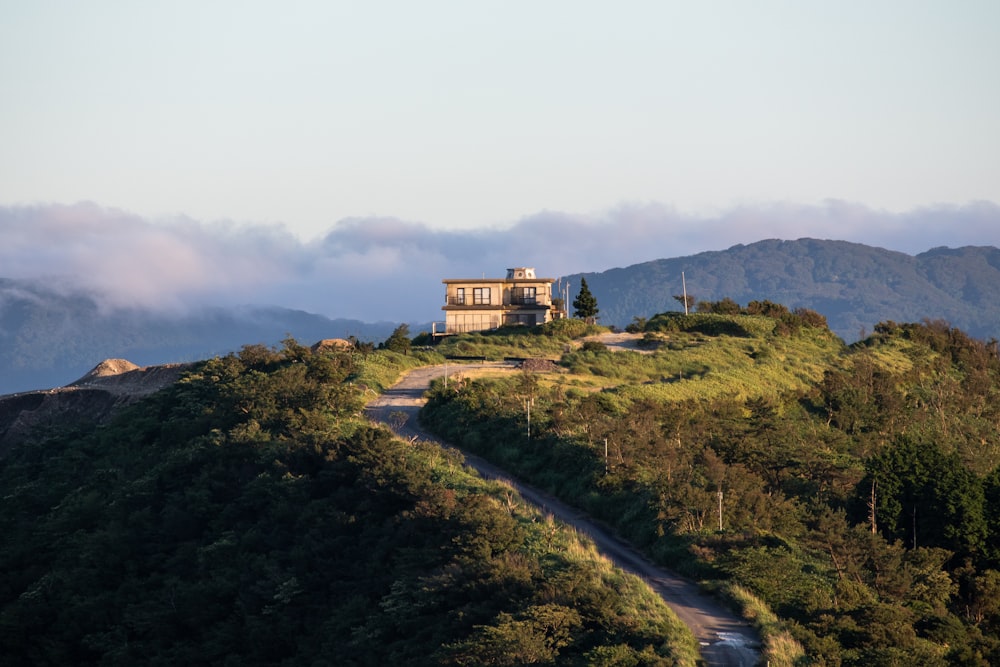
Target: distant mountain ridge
<point>854,285</point>
<point>49,338</point>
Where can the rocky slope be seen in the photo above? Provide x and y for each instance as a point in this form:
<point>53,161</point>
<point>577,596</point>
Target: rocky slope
<point>95,397</point>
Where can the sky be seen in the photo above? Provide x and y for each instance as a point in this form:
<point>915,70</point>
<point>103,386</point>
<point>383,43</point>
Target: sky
<point>344,157</point>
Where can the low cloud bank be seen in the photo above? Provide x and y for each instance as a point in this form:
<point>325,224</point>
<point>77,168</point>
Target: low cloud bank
<point>376,269</point>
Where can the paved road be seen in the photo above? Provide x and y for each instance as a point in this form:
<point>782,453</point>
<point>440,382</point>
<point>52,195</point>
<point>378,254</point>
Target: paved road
<point>726,640</point>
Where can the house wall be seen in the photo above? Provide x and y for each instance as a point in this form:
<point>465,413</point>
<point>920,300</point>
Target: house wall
<point>463,321</point>
<point>463,313</point>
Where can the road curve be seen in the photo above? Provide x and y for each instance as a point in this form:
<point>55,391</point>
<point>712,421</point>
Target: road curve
<point>725,640</point>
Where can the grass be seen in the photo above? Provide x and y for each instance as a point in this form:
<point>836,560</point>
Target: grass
<point>893,358</point>
<point>381,369</point>
<point>780,648</point>
<point>695,366</point>
<point>547,341</point>
<point>688,359</point>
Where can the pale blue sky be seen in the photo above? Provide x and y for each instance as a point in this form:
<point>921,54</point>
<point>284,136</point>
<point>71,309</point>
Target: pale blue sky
<point>462,115</point>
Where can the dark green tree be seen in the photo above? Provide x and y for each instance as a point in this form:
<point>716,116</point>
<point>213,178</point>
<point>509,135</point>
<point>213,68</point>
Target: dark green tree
<point>687,301</point>
<point>927,497</point>
<point>585,303</point>
<point>399,341</point>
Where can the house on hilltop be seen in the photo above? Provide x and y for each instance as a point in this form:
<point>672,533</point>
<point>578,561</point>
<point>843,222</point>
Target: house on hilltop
<point>480,304</point>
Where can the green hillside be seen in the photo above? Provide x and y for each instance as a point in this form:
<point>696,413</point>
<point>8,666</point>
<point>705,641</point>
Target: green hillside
<point>849,496</point>
<point>248,515</point>
<point>853,285</point>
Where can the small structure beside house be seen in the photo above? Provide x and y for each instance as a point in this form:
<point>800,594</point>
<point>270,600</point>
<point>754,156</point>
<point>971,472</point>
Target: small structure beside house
<point>478,304</point>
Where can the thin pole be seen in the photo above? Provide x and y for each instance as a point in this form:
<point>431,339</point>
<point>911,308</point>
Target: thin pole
<point>720,510</point>
<point>685,288</point>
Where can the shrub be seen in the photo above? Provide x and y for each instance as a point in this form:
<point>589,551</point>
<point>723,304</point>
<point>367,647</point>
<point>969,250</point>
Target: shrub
<point>567,328</point>
<point>637,325</point>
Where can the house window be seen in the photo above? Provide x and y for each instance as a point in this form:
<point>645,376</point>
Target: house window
<point>460,296</point>
<point>480,296</point>
<point>523,296</point>
<point>520,319</point>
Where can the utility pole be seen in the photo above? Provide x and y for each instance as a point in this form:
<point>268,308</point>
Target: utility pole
<point>527,407</point>
<point>871,509</point>
<point>720,510</point>
<point>606,469</point>
<point>684,288</point>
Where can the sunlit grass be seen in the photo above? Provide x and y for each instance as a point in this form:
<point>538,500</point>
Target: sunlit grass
<point>780,649</point>
<point>893,358</point>
<point>682,366</point>
<point>547,341</point>
<point>695,366</point>
<point>381,369</point>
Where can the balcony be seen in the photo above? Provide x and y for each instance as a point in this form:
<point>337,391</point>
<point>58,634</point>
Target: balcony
<point>469,301</point>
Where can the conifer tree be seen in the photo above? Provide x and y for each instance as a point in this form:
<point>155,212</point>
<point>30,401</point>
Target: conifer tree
<point>585,303</point>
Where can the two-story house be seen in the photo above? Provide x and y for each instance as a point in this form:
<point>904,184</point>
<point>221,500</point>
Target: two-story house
<point>479,304</point>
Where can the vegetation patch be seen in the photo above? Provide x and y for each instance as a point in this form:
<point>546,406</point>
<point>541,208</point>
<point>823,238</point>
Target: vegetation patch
<point>247,515</point>
<point>849,498</point>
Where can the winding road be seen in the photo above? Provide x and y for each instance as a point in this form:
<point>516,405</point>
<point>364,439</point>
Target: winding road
<point>726,640</point>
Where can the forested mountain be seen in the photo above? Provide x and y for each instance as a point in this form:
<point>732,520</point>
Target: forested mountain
<point>49,338</point>
<point>854,286</point>
<point>250,515</point>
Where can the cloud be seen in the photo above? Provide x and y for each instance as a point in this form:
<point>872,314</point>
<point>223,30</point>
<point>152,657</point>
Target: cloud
<point>132,262</point>
<point>388,269</point>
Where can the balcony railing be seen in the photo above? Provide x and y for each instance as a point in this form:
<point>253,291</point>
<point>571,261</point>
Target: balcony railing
<point>467,301</point>
<point>514,301</point>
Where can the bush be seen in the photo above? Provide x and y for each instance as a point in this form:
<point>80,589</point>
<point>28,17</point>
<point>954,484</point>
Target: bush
<point>637,325</point>
<point>811,318</point>
<point>568,329</point>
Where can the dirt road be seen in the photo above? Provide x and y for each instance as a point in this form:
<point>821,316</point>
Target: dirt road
<point>726,640</point>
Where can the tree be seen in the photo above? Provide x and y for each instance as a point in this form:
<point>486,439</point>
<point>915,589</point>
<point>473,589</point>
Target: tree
<point>724,307</point>
<point>399,341</point>
<point>585,303</point>
<point>927,497</point>
<point>637,325</point>
<point>687,301</point>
